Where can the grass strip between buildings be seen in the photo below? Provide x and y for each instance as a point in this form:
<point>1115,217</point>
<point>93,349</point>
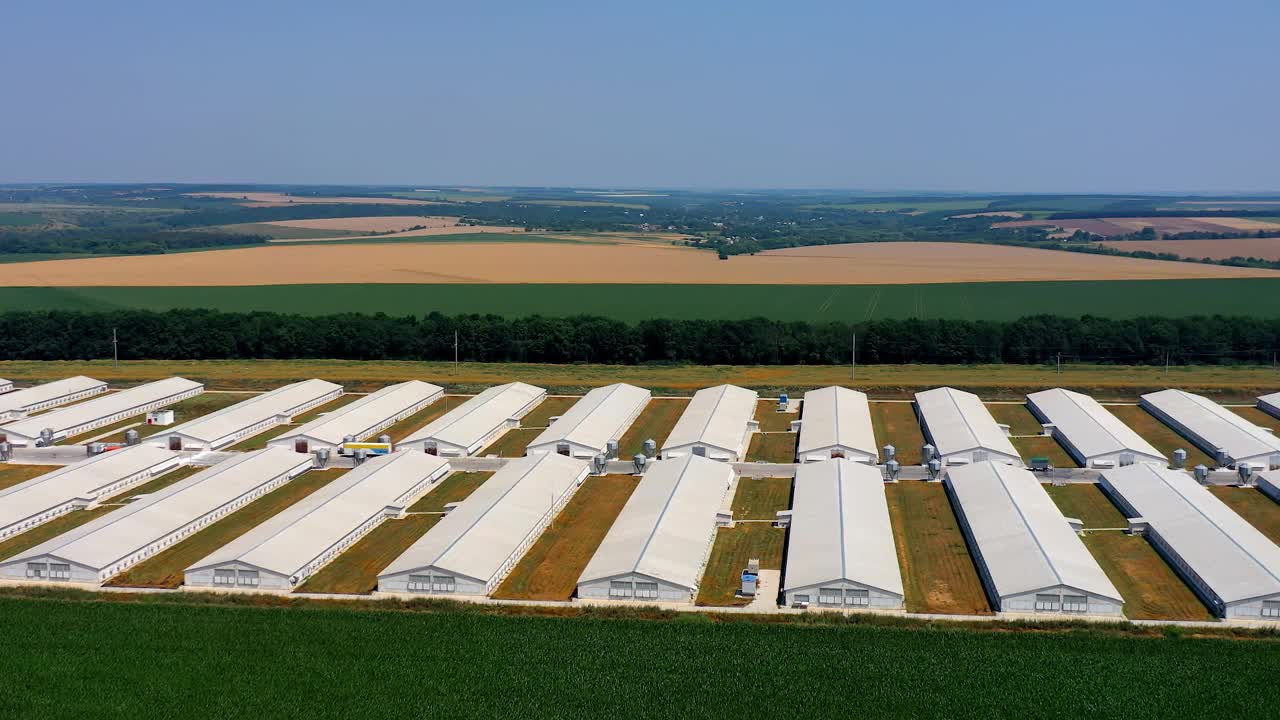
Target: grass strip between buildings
<point>895,424</point>
<point>1249,503</point>
<point>938,574</point>
<point>11,474</point>
<point>655,423</point>
<point>755,499</point>
<point>551,568</point>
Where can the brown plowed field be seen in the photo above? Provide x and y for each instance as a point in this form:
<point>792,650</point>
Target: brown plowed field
<point>1265,248</point>
<point>865,263</point>
<point>1111,227</point>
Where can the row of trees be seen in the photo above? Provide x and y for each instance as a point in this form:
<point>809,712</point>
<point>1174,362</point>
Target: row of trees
<point>118,241</point>
<point>206,334</point>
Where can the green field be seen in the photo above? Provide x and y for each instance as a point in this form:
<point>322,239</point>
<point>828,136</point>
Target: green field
<point>1258,297</point>
<point>163,659</point>
<point>21,219</point>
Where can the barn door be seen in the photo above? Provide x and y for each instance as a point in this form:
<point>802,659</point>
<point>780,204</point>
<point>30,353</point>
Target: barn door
<point>300,446</point>
<point>175,442</point>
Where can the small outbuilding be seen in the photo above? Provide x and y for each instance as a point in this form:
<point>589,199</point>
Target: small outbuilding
<point>476,423</point>
<point>659,544</point>
<point>600,417</point>
<point>1028,556</point>
<point>962,430</point>
<point>835,422</point>
<point>472,549</point>
<point>717,424</point>
<point>840,547</point>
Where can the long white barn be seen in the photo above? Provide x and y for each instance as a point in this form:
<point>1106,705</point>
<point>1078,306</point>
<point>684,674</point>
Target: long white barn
<point>101,411</point>
<point>5,386</point>
<point>21,403</point>
<point>601,416</point>
<point>79,485</point>
<point>284,551</point>
<point>363,418</point>
<point>111,544</point>
<point>472,549</point>
<point>717,424</point>
<point>835,422</point>
<point>1269,484</point>
<point>1269,404</point>
<point>840,551</point>
<point>248,418</point>
<point>658,546</point>
<point>478,422</point>
<point>1214,428</point>
<point>961,428</point>
<point>1028,556</point>
<point>1232,566</point>
<point>1093,436</point>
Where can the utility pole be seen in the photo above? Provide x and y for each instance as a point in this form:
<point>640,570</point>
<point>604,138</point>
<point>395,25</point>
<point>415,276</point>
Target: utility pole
<point>1166,363</point>
<point>115,349</point>
<point>455,352</point>
<point>853,359</point>
<point>1059,363</point>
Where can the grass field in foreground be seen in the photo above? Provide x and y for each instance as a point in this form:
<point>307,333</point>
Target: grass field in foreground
<point>1161,436</point>
<point>755,499</point>
<point>895,424</point>
<point>655,423</point>
<point>1257,297</point>
<point>11,474</point>
<point>74,519</point>
<point>356,570</point>
<point>938,574</point>
<point>550,569</point>
<point>1249,503</point>
<point>155,660</point>
<point>992,382</point>
<point>165,569</point>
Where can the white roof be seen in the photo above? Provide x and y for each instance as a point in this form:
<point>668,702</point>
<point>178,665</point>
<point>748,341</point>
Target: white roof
<point>836,417</point>
<point>1088,426</point>
<point>1024,539</point>
<point>230,420</point>
<point>600,416</point>
<point>1235,560</point>
<point>100,407</point>
<point>716,416</point>
<point>958,422</point>
<point>663,530</point>
<point>287,542</point>
<point>1273,400</point>
<point>474,419</point>
<point>19,399</point>
<point>1214,424</point>
<point>102,542</point>
<point>5,385</point>
<point>83,480</point>
<point>840,528</point>
<point>368,412</point>
<point>479,535</point>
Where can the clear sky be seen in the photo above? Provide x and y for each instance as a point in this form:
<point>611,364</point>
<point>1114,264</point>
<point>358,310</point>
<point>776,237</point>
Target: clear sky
<point>1017,96</point>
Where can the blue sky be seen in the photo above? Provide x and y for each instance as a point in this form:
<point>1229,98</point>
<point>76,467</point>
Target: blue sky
<point>966,96</point>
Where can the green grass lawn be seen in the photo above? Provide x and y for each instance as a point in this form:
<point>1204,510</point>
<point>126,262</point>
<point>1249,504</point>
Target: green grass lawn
<point>895,424</point>
<point>1016,416</point>
<point>775,447</point>
<point>1259,297</point>
<point>755,499</point>
<point>160,658</point>
<point>655,423</point>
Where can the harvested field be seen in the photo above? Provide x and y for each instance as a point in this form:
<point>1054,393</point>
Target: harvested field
<point>11,474</point>
<point>356,570</point>
<point>655,423</point>
<point>72,520</point>
<point>550,569</point>
<point>863,263</point>
<point>1112,227</point>
<point>938,573</point>
<point>774,447</point>
<point>274,199</point>
<point>1264,248</point>
<point>895,424</point>
<point>1158,434</point>
<point>1249,503</point>
<point>755,499</point>
<point>376,224</point>
<point>165,569</point>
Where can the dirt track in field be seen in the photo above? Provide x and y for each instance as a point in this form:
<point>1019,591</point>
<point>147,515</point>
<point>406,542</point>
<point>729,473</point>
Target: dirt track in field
<point>389,224</point>
<point>1265,248</point>
<point>866,263</point>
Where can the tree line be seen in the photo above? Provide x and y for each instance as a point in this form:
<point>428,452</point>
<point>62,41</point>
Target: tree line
<point>209,334</point>
<point>125,240</point>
